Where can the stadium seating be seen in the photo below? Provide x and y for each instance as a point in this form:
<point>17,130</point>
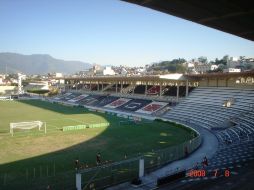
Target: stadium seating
<point>66,96</point>
<point>134,105</point>
<point>117,103</point>
<point>69,97</point>
<point>228,158</point>
<point>140,89</point>
<point>103,100</point>
<point>171,91</point>
<point>88,100</point>
<point>154,90</point>
<point>152,107</point>
<point>78,98</point>
<point>205,106</point>
<point>94,87</point>
<point>61,96</point>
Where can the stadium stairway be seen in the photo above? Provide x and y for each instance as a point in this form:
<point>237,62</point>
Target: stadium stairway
<point>129,89</point>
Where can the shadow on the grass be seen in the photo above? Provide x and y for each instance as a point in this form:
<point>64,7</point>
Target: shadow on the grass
<point>57,168</point>
<point>55,107</point>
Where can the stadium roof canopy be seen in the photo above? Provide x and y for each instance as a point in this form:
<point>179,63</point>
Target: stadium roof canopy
<point>174,76</point>
<point>231,16</point>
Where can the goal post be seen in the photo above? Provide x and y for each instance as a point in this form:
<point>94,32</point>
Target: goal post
<point>28,125</point>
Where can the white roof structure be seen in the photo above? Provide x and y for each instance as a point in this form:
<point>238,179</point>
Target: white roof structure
<point>175,76</point>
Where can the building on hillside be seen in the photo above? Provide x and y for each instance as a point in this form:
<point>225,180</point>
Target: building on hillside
<point>202,68</point>
<point>231,70</point>
<point>2,78</point>
<point>123,72</point>
<point>108,71</point>
<point>58,75</point>
<point>96,70</point>
<point>214,67</point>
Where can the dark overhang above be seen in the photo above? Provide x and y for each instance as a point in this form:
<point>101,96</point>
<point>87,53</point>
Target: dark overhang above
<point>231,16</point>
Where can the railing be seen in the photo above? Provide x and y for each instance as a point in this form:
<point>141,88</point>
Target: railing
<point>111,174</point>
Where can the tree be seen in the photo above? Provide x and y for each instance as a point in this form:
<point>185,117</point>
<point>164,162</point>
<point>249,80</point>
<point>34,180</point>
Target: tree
<point>175,65</point>
<point>203,59</point>
<point>225,59</point>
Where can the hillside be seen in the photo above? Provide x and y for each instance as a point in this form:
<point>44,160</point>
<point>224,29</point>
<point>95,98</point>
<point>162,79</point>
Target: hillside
<point>38,64</point>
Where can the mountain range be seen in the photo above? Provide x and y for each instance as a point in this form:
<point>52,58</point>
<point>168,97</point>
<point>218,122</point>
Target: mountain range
<point>38,64</point>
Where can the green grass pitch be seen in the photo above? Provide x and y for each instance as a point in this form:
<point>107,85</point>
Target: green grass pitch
<point>28,150</point>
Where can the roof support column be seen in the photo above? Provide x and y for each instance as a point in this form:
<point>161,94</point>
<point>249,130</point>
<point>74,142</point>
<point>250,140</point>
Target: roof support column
<point>102,86</point>
<point>146,89</point>
<point>90,86</point>
<point>116,87</point>
<point>177,92</point>
<point>121,90</point>
<point>98,86</point>
<point>160,89</point>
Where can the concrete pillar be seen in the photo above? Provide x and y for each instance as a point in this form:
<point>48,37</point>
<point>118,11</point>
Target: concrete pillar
<point>116,87</point>
<point>90,86</point>
<point>98,88</point>
<point>160,89</point>
<point>78,181</point>
<point>187,88</point>
<point>141,167</point>
<point>177,92</point>
<point>146,89</point>
<point>121,87</point>
<point>101,86</point>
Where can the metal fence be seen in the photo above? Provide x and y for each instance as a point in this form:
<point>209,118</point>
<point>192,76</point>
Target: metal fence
<point>128,170</point>
<point>37,178</point>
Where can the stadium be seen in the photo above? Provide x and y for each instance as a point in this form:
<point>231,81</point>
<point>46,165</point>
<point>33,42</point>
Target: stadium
<point>146,132</point>
<point>140,126</point>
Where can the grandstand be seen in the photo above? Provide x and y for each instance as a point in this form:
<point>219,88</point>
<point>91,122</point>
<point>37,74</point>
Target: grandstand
<point>203,104</point>
<point>218,103</point>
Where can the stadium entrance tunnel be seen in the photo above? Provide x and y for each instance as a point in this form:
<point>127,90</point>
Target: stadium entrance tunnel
<point>35,161</point>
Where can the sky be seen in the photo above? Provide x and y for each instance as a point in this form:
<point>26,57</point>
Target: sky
<point>109,32</point>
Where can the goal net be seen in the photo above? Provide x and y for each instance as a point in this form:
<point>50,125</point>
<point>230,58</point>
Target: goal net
<point>27,126</point>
